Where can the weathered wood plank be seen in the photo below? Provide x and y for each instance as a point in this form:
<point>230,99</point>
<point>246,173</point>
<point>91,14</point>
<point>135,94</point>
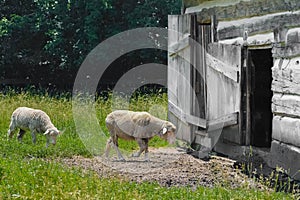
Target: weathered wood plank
<point>293,36</point>
<point>260,24</point>
<point>285,87</point>
<point>173,37</point>
<point>290,51</point>
<point>226,10</point>
<point>183,81</point>
<point>286,76</point>
<point>222,122</point>
<point>203,37</point>
<point>228,71</point>
<point>204,140</point>
<point>179,68</point>
<point>210,136</point>
<point>223,94</point>
<point>186,117</point>
<point>227,53</point>
<point>196,121</point>
<point>258,41</point>
<point>291,47</point>
<point>231,134</point>
<point>286,105</point>
<point>286,129</point>
<point>179,46</point>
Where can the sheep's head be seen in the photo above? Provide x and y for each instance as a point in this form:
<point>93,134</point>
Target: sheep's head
<point>169,132</point>
<point>51,134</point>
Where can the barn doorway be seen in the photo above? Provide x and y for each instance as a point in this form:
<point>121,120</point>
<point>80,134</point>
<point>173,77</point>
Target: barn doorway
<point>261,62</point>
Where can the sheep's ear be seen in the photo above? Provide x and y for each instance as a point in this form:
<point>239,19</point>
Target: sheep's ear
<point>61,131</point>
<point>165,130</point>
<point>47,132</point>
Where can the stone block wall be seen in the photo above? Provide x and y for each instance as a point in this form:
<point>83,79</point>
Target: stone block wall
<point>285,148</point>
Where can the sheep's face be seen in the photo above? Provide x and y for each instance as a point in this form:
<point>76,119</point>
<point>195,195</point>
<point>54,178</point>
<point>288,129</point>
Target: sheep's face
<point>51,134</point>
<point>169,133</point>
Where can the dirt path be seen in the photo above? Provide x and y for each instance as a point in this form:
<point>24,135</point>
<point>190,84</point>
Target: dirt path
<point>169,167</point>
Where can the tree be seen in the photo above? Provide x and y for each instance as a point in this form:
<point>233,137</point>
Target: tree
<point>47,40</point>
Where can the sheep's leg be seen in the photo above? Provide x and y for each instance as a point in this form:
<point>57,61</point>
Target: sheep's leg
<point>108,145</point>
<point>20,135</point>
<point>33,135</point>
<point>11,130</point>
<point>141,143</point>
<point>47,140</point>
<point>113,141</point>
<point>120,157</point>
<point>146,149</point>
<point>116,146</point>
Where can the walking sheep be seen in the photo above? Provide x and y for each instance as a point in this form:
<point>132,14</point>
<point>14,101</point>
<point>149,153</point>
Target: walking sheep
<point>139,126</point>
<point>37,121</point>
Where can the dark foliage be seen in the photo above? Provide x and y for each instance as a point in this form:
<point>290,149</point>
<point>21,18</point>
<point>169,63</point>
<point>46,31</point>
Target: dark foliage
<point>44,42</point>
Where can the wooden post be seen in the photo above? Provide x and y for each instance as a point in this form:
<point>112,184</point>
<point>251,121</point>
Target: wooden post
<point>249,96</point>
<point>244,100</point>
<point>214,25</point>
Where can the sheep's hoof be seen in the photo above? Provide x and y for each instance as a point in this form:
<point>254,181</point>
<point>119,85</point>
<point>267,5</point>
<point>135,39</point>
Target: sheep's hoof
<point>105,157</point>
<point>120,159</point>
<point>135,155</point>
<point>105,154</point>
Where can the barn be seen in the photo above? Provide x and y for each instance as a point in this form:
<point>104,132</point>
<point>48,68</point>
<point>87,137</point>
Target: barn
<point>234,77</point>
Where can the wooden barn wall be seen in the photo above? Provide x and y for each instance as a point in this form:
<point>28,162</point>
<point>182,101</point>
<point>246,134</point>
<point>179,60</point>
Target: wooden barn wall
<point>235,9</point>
<point>254,17</point>
<point>179,73</point>
<point>280,32</point>
<point>262,24</point>
<point>258,25</point>
<point>284,39</point>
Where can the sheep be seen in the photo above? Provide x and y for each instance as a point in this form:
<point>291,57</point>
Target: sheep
<point>37,121</point>
<point>139,126</point>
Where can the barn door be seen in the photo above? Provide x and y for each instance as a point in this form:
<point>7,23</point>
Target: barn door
<point>180,66</point>
<point>204,83</point>
<point>224,99</point>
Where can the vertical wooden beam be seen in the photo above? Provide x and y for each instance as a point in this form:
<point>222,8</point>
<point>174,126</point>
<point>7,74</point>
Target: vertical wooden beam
<point>249,73</point>
<point>243,102</point>
<point>193,65</point>
<point>182,7</point>
<point>180,64</point>
<point>214,25</point>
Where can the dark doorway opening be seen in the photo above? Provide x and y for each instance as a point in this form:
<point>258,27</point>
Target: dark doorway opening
<point>261,62</point>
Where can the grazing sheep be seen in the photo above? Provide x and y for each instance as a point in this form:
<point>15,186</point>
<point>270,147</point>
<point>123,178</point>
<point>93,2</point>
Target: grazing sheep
<point>139,126</point>
<point>37,121</point>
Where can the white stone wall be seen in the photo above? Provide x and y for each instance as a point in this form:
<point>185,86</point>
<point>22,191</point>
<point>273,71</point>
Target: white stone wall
<point>261,32</point>
<point>267,24</point>
<point>285,148</point>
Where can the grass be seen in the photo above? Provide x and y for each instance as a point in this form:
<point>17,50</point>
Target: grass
<point>37,179</point>
<point>30,171</point>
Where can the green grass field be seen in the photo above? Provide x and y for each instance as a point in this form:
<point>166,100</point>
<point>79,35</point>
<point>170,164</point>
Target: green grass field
<point>30,171</point>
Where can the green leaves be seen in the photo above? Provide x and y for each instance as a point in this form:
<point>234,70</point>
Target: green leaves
<point>4,24</point>
<point>40,38</point>
<point>155,13</point>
